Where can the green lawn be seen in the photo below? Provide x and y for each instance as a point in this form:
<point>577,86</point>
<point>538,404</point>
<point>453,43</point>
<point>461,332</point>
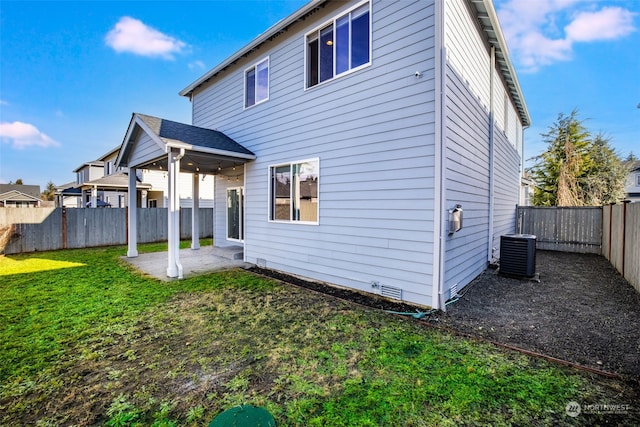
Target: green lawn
<point>85,340</point>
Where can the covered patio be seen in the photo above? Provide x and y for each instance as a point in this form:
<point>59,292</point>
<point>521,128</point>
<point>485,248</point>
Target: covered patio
<point>157,144</point>
<point>205,260</point>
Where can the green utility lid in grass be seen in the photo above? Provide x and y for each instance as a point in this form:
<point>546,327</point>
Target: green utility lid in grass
<point>244,416</point>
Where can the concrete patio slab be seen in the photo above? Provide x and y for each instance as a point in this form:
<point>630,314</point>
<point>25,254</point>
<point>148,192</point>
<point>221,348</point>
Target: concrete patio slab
<point>207,259</point>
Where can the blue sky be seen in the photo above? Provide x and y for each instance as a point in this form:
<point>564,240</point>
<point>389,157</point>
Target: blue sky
<point>71,73</point>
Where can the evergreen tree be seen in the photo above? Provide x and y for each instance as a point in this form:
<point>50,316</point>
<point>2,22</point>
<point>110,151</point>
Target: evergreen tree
<point>576,169</point>
<point>49,192</point>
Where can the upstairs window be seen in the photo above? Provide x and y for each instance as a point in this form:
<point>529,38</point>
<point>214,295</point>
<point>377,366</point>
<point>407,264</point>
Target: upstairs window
<point>256,83</point>
<point>340,46</point>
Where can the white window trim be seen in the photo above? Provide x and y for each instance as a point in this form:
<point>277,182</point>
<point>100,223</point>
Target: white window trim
<point>333,21</point>
<point>230,239</point>
<point>244,83</point>
<point>269,192</point>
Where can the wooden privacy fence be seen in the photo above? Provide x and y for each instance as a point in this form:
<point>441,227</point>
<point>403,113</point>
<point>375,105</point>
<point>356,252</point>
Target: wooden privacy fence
<point>621,239</point>
<point>612,231</point>
<point>565,229</point>
<point>30,230</point>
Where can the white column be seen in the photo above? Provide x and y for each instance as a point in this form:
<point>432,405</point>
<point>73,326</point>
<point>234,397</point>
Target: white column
<point>174,268</point>
<point>143,201</point>
<point>195,214</point>
<point>132,237</point>
<point>94,196</point>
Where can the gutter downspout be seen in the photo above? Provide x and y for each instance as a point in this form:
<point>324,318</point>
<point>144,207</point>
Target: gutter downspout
<point>439,201</point>
<point>492,129</point>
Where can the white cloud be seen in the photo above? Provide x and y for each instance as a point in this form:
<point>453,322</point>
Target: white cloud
<point>607,24</point>
<point>544,32</point>
<point>3,102</point>
<point>196,65</point>
<point>133,36</point>
<point>22,135</point>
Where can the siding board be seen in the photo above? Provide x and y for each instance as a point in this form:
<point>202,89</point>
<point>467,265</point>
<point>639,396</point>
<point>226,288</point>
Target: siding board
<point>373,132</point>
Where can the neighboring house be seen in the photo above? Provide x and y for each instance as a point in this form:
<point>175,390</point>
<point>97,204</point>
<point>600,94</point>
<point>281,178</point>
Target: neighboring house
<point>101,181</point>
<point>527,189</point>
<point>69,195</point>
<point>344,137</point>
<point>20,196</point>
<point>632,186</point>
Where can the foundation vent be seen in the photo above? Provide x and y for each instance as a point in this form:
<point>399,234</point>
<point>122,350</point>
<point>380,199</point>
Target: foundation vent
<point>391,292</point>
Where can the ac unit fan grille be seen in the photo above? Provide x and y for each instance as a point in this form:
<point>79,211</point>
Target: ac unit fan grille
<point>518,255</point>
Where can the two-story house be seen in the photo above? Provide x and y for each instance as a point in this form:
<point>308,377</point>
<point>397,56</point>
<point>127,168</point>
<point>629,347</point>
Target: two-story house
<point>376,145</point>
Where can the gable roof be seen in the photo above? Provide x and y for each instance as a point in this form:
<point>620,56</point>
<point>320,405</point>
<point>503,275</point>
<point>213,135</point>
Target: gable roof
<point>18,196</point>
<point>485,13</point>
<point>177,135</point>
<point>201,144</point>
<point>632,165</point>
<point>31,190</point>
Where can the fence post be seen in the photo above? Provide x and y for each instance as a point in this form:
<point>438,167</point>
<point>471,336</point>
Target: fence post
<point>64,228</point>
<point>624,230</point>
<point>610,227</point>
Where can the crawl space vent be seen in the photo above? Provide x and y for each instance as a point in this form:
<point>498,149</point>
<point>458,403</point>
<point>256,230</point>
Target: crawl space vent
<point>391,292</point>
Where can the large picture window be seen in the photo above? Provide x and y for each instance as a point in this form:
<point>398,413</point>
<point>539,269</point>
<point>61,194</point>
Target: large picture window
<point>294,191</point>
<point>342,45</point>
<point>256,83</point>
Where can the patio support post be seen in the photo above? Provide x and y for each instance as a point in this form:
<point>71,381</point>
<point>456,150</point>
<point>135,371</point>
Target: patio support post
<point>132,231</point>
<point>174,268</point>
<point>195,213</point>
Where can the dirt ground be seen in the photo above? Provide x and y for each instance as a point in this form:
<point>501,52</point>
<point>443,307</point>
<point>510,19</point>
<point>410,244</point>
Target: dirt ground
<point>581,310</point>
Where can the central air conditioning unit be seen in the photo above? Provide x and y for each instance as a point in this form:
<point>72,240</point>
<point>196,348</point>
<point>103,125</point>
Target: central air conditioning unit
<point>518,255</point>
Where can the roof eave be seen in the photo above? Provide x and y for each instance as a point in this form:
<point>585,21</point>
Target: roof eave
<point>253,45</point>
<point>208,150</point>
<point>491,27</point>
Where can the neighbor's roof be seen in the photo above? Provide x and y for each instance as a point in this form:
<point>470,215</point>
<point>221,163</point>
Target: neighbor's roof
<point>18,196</point>
<point>116,180</point>
<point>633,165</point>
<point>485,13</point>
<point>93,163</point>
<point>31,190</point>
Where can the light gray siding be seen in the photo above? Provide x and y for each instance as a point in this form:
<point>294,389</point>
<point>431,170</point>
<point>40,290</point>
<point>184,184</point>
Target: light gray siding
<point>506,189</point>
<point>470,99</point>
<point>466,182</point>
<point>144,150</point>
<point>373,132</point>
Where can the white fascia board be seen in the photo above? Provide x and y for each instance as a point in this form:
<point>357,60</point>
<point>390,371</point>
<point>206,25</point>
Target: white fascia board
<point>207,150</point>
<point>273,30</point>
<point>127,139</point>
<point>495,23</point>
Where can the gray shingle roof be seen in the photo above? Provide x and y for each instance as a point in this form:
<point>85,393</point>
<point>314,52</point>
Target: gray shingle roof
<point>170,131</point>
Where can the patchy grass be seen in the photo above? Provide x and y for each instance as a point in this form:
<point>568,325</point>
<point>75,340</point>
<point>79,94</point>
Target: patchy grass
<point>96,343</point>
